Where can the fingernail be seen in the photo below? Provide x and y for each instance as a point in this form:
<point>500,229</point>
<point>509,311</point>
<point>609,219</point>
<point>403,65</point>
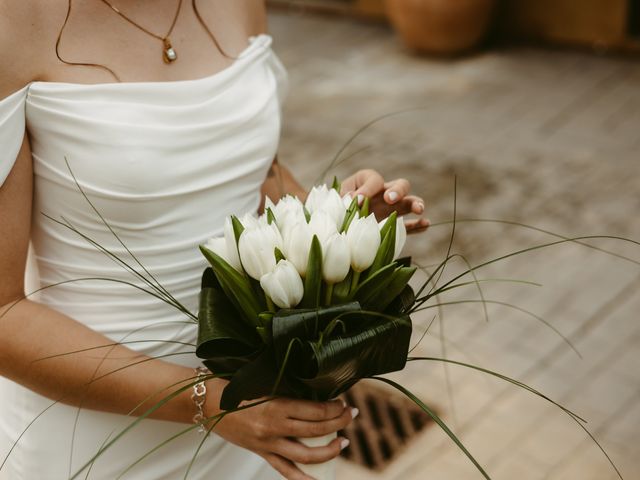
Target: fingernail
<point>354,412</point>
<point>420,207</point>
<point>344,443</point>
<point>360,199</point>
<point>344,404</point>
<point>393,196</point>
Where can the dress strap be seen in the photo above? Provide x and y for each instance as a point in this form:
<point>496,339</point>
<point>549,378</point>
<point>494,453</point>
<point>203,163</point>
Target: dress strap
<point>12,129</point>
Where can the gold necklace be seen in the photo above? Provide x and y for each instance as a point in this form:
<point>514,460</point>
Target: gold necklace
<point>168,53</point>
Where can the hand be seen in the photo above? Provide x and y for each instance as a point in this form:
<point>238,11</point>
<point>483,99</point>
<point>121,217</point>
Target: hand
<point>266,429</point>
<point>386,197</point>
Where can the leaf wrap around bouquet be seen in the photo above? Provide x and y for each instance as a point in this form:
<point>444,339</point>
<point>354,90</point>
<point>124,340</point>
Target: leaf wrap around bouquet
<point>315,353</point>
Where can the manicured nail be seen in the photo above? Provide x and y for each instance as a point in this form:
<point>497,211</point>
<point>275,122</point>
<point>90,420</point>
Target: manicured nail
<point>344,404</point>
<point>420,207</point>
<point>360,199</point>
<point>354,412</point>
<point>344,443</point>
<point>393,196</point>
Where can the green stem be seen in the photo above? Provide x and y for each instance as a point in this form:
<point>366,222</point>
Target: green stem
<point>328,294</point>
<point>270,305</point>
<point>354,282</point>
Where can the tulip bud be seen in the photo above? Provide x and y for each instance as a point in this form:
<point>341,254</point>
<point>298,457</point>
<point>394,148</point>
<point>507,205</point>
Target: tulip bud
<point>297,242</point>
<point>288,211</point>
<point>316,198</point>
<point>364,240</point>
<point>336,258</point>
<point>401,237</point>
<point>256,248</point>
<point>232,246</point>
<point>283,285</point>
<point>322,225</point>
<point>219,246</point>
<point>334,206</point>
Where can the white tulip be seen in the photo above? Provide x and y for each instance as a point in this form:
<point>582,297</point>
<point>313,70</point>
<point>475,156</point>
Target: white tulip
<point>232,246</point>
<point>401,235</point>
<point>249,220</point>
<point>323,225</point>
<point>289,210</point>
<point>297,243</point>
<point>363,236</point>
<point>256,248</point>
<point>316,198</point>
<point>336,258</point>
<point>283,285</point>
<point>334,206</point>
<point>219,246</point>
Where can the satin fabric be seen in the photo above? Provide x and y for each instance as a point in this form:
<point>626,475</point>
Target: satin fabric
<point>164,163</point>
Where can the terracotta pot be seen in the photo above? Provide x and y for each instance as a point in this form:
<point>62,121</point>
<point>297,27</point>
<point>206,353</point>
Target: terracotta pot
<point>444,27</point>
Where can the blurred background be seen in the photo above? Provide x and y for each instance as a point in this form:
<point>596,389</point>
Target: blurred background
<point>534,107</point>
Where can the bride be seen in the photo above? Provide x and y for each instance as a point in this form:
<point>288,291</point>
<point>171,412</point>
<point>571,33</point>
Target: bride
<point>167,113</point>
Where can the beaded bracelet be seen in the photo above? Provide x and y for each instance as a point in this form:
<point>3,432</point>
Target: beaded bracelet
<point>199,397</point>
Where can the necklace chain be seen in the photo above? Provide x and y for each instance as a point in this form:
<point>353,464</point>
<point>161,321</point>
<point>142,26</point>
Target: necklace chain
<point>168,53</point>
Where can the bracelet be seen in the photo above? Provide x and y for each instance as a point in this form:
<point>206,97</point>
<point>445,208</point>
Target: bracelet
<point>199,397</point>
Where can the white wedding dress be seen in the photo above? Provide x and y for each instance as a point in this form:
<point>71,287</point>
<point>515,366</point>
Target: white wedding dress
<point>164,163</point>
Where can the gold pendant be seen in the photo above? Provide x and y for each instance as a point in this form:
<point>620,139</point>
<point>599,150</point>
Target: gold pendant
<point>168,53</point>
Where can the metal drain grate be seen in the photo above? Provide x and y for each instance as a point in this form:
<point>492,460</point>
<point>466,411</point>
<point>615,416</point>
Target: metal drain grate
<point>386,423</point>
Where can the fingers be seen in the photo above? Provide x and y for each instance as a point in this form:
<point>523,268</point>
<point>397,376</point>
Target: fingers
<point>285,467</point>
<point>299,428</point>
<point>314,411</point>
<point>368,184</point>
<point>417,225</point>
<point>396,190</point>
<point>299,453</point>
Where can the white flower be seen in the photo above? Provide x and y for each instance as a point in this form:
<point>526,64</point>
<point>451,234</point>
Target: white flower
<point>283,285</point>
<point>219,246</point>
<point>336,258</point>
<point>401,235</point>
<point>316,198</point>
<point>322,225</point>
<point>257,249</point>
<point>289,210</point>
<point>297,243</point>
<point>364,240</point>
<point>249,220</point>
<point>232,246</point>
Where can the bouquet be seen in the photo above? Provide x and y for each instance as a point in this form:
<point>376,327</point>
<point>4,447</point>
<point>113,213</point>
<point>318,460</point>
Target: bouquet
<point>305,300</point>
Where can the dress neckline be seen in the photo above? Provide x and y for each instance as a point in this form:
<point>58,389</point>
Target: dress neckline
<point>260,41</point>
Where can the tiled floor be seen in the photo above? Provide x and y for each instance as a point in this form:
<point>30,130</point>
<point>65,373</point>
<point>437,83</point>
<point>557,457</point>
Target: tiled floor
<point>548,138</point>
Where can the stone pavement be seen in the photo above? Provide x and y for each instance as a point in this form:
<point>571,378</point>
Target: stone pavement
<point>549,138</point>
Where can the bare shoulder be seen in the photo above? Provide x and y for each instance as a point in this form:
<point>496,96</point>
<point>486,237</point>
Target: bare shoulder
<point>27,30</point>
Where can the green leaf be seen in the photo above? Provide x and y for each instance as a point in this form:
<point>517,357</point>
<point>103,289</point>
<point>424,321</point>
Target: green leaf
<point>254,380</point>
<point>336,184</point>
<point>373,345</point>
<point>313,278</point>
<point>436,419</point>
<point>225,342</point>
<point>304,324</point>
<point>399,280</point>
<point>238,228</point>
<point>341,289</point>
<point>278,254</point>
<point>374,283</point>
<point>349,214</point>
<point>271,218</point>
<point>236,287</point>
<point>364,210</point>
